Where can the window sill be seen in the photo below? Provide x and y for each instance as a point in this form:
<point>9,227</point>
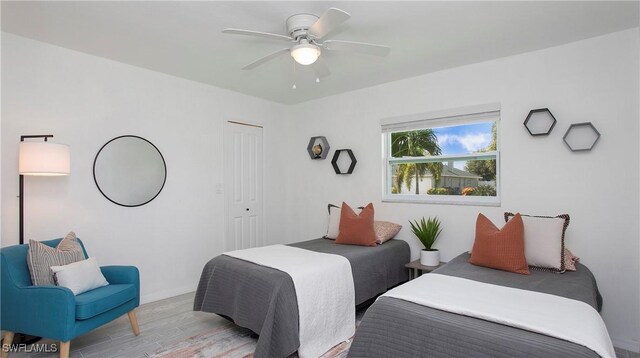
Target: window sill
<point>442,200</point>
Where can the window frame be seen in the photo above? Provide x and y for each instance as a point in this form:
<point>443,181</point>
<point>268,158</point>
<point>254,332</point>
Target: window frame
<point>458,117</point>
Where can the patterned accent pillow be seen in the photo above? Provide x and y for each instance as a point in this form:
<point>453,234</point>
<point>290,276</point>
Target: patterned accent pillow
<point>41,257</point>
<point>501,249</point>
<point>385,231</point>
<point>570,260</point>
<point>544,241</point>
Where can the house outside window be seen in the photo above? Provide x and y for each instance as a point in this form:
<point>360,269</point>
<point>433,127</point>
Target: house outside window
<point>445,157</point>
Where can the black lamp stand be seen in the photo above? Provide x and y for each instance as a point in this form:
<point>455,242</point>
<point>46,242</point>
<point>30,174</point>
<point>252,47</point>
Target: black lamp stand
<point>21,338</point>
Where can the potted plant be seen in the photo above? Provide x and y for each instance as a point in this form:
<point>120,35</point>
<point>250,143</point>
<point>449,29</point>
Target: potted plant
<point>427,232</point>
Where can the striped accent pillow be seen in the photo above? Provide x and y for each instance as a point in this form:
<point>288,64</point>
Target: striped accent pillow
<point>41,257</point>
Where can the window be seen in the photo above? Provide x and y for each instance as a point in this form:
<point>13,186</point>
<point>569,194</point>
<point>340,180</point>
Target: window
<point>449,157</point>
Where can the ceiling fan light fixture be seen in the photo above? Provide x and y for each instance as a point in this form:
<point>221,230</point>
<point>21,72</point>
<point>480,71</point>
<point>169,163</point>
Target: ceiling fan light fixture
<point>307,40</point>
<point>305,53</point>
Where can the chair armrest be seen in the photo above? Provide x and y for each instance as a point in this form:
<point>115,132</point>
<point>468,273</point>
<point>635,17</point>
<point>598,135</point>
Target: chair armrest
<point>121,274</point>
<point>46,311</point>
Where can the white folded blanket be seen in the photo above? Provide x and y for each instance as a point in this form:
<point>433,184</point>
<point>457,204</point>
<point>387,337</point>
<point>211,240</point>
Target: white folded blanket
<point>324,289</point>
<point>555,316</point>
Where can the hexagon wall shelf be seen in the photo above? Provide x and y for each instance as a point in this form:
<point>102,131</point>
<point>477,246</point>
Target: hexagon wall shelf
<point>581,137</point>
<point>540,122</point>
<point>318,147</point>
<point>336,157</point>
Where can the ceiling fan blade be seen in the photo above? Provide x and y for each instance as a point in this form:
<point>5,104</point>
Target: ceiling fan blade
<point>369,49</point>
<point>331,19</point>
<point>265,59</point>
<point>267,35</point>
<point>321,68</point>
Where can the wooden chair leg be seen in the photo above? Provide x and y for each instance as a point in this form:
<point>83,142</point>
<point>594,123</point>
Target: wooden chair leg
<point>64,349</point>
<point>134,322</point>
<point>6,344</point>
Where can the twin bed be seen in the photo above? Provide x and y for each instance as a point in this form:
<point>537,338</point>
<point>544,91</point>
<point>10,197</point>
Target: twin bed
<point>263,299</point>
<point>398,328</point>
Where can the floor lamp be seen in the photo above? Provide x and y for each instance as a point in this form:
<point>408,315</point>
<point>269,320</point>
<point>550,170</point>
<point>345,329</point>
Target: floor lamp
<point>38,159</point>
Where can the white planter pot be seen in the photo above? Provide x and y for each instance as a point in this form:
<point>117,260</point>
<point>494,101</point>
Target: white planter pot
<point>430,258</point>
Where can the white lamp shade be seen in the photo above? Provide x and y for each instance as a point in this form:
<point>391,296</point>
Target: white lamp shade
<point>305,54</point>
<point>43,158</point>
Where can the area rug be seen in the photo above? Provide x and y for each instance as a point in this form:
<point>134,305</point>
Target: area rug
<point>231,341</point>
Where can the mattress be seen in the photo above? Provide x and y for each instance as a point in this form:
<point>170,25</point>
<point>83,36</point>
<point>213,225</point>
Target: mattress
<point>264,299</point>
<point>396,328</point>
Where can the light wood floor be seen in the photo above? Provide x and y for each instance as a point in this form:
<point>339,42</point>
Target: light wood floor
<point>162,323</point>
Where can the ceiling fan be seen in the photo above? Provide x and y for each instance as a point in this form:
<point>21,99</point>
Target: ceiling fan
<point>306,34</point>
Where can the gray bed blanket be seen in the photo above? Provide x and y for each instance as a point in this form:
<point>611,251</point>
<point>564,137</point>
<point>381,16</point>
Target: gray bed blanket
<point>264,299</point>
<point>395,328</point>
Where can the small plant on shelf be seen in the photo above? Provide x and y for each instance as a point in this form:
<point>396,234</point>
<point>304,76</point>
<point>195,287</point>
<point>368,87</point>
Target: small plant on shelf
<point>427,231</point>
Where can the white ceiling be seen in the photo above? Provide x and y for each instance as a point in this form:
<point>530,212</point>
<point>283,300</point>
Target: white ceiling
<point>183,38</point>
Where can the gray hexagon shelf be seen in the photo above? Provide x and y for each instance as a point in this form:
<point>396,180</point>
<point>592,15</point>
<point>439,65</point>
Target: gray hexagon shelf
<point>581,137</point>
<point>336,158</point>
<point>540,122</point>
<point>318,147</point>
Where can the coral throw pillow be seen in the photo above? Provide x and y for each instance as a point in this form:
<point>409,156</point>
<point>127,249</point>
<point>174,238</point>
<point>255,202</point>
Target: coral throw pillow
<point>334,221</point>
<point>501,249</point>
<point>356,229</point>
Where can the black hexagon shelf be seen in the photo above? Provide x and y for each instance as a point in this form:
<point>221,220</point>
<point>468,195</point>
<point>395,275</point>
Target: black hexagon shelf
<point>336,157</point>
<point>540,122</point>
<point>581,137</point>
<point>318,147</point>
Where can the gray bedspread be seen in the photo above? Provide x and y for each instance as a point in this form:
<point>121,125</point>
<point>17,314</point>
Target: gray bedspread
<point>264,299</point>
<point>395,328</point>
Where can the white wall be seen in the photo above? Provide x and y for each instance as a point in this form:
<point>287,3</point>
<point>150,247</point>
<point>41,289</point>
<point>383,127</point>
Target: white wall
<point>84,101</point>
<point>594,80</point>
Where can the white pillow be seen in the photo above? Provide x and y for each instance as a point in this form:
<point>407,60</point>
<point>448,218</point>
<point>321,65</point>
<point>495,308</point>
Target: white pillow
<point>544,240</point>
<point>334,221</point>
<point>79,277</point>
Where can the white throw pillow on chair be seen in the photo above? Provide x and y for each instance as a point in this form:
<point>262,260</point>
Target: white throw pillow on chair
<point>79,277</point>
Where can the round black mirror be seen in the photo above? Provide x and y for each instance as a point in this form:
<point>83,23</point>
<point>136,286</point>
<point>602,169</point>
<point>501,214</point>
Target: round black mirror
<point>129,171</point>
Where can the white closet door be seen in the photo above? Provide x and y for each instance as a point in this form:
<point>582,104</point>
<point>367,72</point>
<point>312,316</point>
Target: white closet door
<point>243,167</point>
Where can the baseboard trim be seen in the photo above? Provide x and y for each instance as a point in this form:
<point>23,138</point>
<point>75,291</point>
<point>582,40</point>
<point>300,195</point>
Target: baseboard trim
<point>157,296</point>
<point>632,346</point>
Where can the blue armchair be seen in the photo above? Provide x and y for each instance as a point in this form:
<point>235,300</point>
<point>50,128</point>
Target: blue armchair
<point>53,311</point>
